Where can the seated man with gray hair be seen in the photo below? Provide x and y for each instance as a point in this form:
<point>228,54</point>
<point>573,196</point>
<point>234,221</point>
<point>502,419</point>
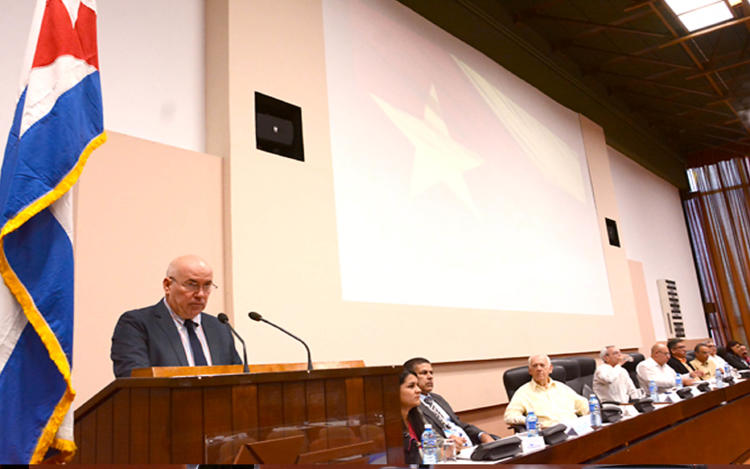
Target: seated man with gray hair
<point>703,362</point>
<point>715,357</point>
<point>611,381</point>
<point>552,402</point>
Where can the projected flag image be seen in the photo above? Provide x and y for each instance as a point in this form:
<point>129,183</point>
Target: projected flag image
<point>456,184</point>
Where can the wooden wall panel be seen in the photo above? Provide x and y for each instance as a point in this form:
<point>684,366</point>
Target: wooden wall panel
<point>168,420</point>
<point>294,403</point>
<point>79,444</point>
<point>699,439</point>
<point>373,390</point>
<point>159,426</point>
<point>187,421</point>
<point>121,427</point>
<point>315,396</point>
<point>217,410</point>
<point>392,414</point>
<point>355,400</point>
<point>335,397</point>
<point>139,425</point>
<point>88,439</point>
<point>270,408</point>
<point>104,432</point>
<point>245,405</point>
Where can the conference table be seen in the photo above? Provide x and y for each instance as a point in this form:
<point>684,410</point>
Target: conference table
<point>711,428</point>
<point>238,417</point>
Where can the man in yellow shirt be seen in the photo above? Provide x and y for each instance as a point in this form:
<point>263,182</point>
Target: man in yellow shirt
<point>552,402</point>
<point>703,362</point>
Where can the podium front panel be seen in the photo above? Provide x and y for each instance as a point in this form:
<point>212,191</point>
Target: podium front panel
<point>213,419</point>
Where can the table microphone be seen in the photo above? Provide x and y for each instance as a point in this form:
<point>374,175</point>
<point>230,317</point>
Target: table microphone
<point>225,320</point>
<point>257,317</point>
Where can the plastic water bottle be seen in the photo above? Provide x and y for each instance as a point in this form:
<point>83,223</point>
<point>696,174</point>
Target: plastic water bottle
<point>719,378</point>
<point>596,411</point>
<point>652,391</point>
<point>678,381</point>
<point>429,445</point>
<point>531,422</point>
<point>727,370</point>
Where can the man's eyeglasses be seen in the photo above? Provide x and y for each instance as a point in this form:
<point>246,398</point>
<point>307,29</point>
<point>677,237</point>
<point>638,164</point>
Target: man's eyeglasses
<point>193,286</point>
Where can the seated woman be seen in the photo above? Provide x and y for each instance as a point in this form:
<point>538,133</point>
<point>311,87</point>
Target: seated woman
<point>733,355</point>
<point>411,417</point>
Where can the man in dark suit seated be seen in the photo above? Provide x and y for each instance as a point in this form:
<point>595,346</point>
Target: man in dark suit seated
<point>438,412</point>
<point>678,359</point>
<point>174,331</point>
<point>734,355</point>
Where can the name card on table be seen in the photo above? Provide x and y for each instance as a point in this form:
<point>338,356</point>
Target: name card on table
<point>531,443</point>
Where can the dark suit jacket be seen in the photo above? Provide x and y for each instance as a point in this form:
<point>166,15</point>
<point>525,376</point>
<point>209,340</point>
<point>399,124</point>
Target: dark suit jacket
<point>736,361</point>
<point>679,367</point>
<point>148,337</point>
<point>431,418</point>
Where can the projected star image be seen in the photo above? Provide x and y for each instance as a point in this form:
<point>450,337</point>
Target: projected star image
<point>438,158</point>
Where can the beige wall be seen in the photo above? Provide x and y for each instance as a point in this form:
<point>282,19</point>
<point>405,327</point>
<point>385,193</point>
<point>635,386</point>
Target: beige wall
<point>139,204</point>
<point>282,243</point>
<point>267,224</point>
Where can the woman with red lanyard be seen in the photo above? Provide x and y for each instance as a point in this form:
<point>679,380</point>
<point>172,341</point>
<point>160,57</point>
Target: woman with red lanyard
<point>411,417</point>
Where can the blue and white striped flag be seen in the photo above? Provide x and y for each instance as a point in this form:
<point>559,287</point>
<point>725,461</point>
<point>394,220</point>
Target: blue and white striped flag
<point>57,124</point>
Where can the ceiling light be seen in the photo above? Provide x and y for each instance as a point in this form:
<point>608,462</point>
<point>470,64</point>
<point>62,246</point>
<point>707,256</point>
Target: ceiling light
<point>698,14</point>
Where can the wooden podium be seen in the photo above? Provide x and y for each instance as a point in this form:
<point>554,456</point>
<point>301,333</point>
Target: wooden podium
<point>269,417</point>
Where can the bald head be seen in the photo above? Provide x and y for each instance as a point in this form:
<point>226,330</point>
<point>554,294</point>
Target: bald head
<point>186,262</point>
<point>660,353</point>
<point>187,285</point>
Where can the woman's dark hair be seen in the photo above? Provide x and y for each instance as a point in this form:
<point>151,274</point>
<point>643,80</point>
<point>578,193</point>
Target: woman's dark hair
<point>731,344</point>
<point>415,415</point>
<point>404,373</point>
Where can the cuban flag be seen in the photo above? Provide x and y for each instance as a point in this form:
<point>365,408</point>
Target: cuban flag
<point>57,124</point>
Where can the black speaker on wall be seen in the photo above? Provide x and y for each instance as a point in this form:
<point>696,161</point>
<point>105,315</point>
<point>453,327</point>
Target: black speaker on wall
<point>278,127</point>
<point>614,238</point>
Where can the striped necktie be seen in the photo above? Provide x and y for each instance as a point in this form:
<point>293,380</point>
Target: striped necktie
<point>436,410</point>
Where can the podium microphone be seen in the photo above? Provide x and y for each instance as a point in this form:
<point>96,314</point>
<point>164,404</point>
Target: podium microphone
<point>257,317</point>
<point>225,320</point>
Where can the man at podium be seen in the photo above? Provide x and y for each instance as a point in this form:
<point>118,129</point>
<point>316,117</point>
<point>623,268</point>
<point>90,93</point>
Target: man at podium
<point>175,331</point>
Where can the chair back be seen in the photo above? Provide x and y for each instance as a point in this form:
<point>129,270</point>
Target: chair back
<point>630,367</point>
<point>514,378</point>
<point>587,367</point>
<point>572,372</point>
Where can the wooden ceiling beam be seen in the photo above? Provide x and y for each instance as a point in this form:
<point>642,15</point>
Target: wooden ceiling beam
<point>621,21</point>
<point>718,69</point>
<point>636,58</point>
<point>634,79</point>
<point>703,32</point>
<point>651,97</point>
<point>682,43</point>
<point>604,26</point>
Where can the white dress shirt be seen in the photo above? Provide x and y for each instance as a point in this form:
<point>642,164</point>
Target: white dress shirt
<point>613,383</point>
<point>663,375</point>
<point>720,362</point>
<point>182,330</point>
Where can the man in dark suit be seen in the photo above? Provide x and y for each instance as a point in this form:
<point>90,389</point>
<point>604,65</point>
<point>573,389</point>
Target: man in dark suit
<point>438,412</point>
<point>174,331</point>
<point>733,354</point>
<point>678,359</point>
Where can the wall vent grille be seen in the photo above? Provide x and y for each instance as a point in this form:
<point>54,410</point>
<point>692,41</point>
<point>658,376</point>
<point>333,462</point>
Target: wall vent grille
<point>670,307</point>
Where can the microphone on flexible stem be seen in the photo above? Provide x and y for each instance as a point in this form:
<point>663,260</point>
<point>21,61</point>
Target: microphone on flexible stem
<point>225,320</point>
<point>257,317</point>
